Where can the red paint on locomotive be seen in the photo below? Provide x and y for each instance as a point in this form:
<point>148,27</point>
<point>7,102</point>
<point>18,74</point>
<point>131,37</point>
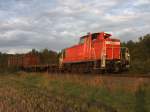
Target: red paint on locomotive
<point>93,47</point>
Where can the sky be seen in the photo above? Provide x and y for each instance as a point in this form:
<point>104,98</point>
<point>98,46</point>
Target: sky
<point>57,24</point>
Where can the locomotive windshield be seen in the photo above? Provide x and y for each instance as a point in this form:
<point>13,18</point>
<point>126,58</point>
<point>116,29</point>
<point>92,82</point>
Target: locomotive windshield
<point>82,40</point>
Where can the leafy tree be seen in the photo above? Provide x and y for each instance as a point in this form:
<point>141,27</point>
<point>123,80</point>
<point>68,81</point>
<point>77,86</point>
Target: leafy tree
<point>48,57</point>
<point>140,54</point>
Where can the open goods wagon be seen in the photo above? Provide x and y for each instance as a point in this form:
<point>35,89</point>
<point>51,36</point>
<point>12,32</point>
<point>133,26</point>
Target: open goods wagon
<point>95,52</point>
<point>23,60</point>
<point>31,62</point>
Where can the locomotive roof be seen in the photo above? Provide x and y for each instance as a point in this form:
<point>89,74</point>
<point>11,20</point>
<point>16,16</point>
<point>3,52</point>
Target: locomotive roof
<point>106,36</point>
<point>91,34</point>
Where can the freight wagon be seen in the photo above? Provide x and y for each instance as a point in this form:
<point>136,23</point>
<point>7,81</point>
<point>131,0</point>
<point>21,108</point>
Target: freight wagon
<point>95,52</point>
<point>32,62</point>
<point>23,61</point>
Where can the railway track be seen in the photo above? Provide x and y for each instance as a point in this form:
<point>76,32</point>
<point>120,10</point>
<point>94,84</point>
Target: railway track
<point>54,69</point>
<point>127,75</point>
<point>106,75</point>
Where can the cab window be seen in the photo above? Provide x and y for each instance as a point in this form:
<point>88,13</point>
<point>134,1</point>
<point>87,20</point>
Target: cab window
<point>82,40</point>
<point>106,35</point>
<point>94,36</point>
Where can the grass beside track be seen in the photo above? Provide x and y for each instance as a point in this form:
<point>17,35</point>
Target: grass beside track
<point>24,92</point>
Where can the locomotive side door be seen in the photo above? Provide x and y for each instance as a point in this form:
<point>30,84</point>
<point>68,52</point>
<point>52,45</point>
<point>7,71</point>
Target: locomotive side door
<point>85,41</point>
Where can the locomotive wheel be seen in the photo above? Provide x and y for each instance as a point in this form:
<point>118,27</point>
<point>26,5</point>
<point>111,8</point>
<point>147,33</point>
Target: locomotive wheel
<point>117,68</point>
<point>102,71</point>
<point>109,70</point>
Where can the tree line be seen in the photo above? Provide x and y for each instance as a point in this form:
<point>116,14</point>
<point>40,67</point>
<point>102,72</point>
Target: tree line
<point>140,54</point>
<point>46,56</point>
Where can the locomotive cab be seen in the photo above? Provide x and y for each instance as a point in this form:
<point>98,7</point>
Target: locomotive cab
<point>94,37</point>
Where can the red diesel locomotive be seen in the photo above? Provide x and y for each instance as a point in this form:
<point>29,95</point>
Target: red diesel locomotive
<point>95,52</point>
